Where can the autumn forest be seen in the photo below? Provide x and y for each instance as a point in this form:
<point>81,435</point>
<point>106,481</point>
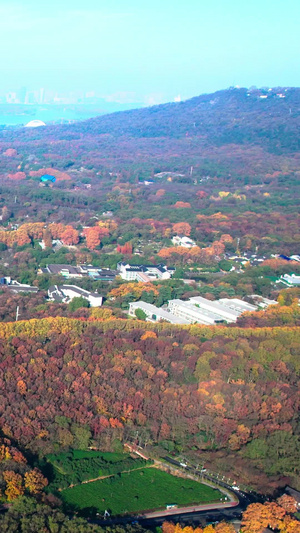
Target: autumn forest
<point>221,170</point>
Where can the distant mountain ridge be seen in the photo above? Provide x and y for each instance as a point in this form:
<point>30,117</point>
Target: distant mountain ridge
<point>236,131</point>
<point>265,117</point>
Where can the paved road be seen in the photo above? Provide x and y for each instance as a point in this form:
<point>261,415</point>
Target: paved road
<point>167,513</point>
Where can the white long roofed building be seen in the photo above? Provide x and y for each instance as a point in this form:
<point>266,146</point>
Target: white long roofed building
<point>202,311</point>
<point>155,314</point>
<point>197,310</point>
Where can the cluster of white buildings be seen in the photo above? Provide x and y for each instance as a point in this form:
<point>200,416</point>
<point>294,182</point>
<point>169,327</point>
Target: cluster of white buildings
<point>66,293</point>
<point>144,273</point>
<point>79,271</point>
<point>184,241</point>
<point>155,314</point>
<point>196,310</point>
<point>291,280</point>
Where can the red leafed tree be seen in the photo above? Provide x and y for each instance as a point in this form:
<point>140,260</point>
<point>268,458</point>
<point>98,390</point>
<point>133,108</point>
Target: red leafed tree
<point>201,194</point>
<point>126,249</point>
<point>17,176</point>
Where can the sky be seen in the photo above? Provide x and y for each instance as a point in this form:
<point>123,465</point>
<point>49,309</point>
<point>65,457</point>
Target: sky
<point>148,51</point>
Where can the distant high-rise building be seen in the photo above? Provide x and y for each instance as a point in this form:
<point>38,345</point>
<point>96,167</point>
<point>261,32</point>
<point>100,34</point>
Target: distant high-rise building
<point>41,96</point>
<point>11,98</point>
<point>21,95</point>
<point>30,98</point>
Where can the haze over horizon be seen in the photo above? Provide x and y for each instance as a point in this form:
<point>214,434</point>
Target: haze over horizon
<point>147,52</point>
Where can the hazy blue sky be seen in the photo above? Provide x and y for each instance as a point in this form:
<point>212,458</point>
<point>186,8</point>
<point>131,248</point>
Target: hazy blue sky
<point>149,50</point>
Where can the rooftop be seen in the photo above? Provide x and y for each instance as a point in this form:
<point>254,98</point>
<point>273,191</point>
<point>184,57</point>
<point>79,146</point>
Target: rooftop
<point>159,312</point>
<point>237,305</point>
<point>21,288</point>
<point>215,305</point>
<point>80,291</point>
<point>199,312</point>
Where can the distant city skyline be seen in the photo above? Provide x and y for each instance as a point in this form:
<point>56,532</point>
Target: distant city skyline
<point>146,52</point>
<point>43,95</point>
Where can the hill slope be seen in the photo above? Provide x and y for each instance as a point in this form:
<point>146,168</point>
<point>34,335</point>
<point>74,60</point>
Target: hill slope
<point>238,129</point>
<point>234,115</point>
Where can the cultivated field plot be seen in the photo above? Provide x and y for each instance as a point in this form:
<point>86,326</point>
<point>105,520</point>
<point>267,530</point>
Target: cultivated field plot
<point>136,491</point>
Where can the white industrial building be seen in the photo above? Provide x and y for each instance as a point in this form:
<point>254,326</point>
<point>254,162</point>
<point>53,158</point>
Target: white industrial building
<point>155,314</point>
<point>261,302</point>
<point>193,314</point>
<point>197,310</point>
<point>202,311</point>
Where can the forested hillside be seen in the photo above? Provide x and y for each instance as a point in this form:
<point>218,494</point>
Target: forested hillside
<point>231,116</point>
<point>234,131</point>
<point>230,395</point>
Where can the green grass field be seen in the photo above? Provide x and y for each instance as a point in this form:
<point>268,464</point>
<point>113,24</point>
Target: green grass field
<point>76,466</point>
<point>136,491</point>
<point>86,454</point>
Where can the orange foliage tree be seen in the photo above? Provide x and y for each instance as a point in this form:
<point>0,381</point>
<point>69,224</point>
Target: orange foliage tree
<point>148,335</point>
<point>47,238</point>
<point>70,236</point>
<point>288,503</point>
<point>222,527</point>
<point>56,230</point>
<point>22,236</point>
<point>182,228</point>
<point>180,205</point>
<point>92,236</point>
<point>110,225</point>
<point>34,481</point>
<point>14,485</point>
<point>259,516</point>
<point>134,288</point>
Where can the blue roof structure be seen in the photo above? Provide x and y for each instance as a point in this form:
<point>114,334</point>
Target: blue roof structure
<point>48,177</point>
